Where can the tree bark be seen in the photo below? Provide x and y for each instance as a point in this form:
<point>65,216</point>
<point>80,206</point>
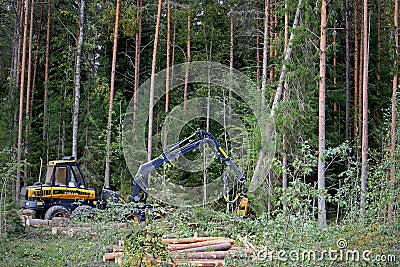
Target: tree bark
<point>152,77</point>
<point>348,94</point>
<point>356,67</point>
<point>265,53</point>
<point>110,108</point>
<point>321,135</point>
<point>138,39</point>
<point>21,101</point>
<point>394,109</point>
<point>46,73</point>
<point>35,65</point>
<point>75,116</point>
<point>168,56</point>
<point>257,46</point>
<point>185,92</point>
<point>364,148</point>
<point>28,90</point>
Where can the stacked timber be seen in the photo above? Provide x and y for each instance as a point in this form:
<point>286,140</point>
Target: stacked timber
<point>195,251</point>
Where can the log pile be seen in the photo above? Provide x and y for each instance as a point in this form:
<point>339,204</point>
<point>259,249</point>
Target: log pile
<point>195,251</point>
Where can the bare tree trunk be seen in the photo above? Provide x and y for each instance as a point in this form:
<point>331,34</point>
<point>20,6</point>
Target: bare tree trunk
<point>321,136</point>
<point>138,40</point>
<point>364,148</point>
<point>356,66</point>
<point>278,94</point>
<point>46,73</point>
<point>15,50</point>
<point>21,101</point>
<point>348,95</point>
<point>185,92</point>
<point>35,66</point>
<point>285,97</point>
<point>168,56</point>
<point>257,45</point>
<point>379,39</point>
<point>28,90</point>
<point>152,77</point>
<point>110,109</point>
<point>394,108</point>
<point>360,81</point>
<point>75,116</point>
<point>282,76</point>
<point>265,53</point>
<point>20,28</point>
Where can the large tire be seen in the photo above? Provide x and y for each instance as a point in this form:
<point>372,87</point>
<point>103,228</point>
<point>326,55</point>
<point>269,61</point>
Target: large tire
<point>84,213</point>
<point>56,211</point>
<point>135,218</point>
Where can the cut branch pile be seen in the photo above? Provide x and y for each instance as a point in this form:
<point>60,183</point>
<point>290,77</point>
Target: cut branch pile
<point>194,251</point>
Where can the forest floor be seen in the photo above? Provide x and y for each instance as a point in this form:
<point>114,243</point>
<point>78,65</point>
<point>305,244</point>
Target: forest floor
<point>282,240</point>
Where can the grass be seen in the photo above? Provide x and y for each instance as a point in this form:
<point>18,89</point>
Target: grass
<point>291,234</point>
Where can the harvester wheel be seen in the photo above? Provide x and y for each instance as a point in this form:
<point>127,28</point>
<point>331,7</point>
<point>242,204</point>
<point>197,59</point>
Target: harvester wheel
<point>56,211</point>
<point>84,212</point>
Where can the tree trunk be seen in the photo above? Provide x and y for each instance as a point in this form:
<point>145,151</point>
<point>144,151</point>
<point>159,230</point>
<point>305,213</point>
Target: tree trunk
<point>258,170</point>
<point>360,81</point>
<point>356,66</point>
<point>152,77</point>
<point>28,90</point>
<point>138,39</point>
<point>168,56</point>
<point>46,73</point>
<point>110,108</point>
<point>321,136</point>
<point>21,101</point>
<point>379,39</point>
<point>257,45</point>
<point>364,148</point>
<point>265,53</point>
<point>188,60</point>
<point>75,116</point>
<point>394,109</point>
<point>348,94</point>
<point>35,65</point>
<point>289,49</point>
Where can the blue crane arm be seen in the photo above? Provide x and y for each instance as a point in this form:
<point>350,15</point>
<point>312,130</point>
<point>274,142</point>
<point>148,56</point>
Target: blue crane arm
<point>182,147</point>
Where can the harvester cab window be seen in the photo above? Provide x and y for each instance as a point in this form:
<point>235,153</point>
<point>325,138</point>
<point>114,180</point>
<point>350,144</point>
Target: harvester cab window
<point>61,176</point>
<point>76,173</point>
<point>49,174</point>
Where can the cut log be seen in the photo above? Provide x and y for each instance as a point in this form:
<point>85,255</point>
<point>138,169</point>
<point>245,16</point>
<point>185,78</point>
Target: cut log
<point>200,263</point>
<point>216,247</point>
<point>71,231</point>
<point>59,221</point>
<point>189,239</point>
<point>209,254</point>
<point>200,255</point>
<point>112,255</point>
<point>37,222</point>
<point>173,247</point>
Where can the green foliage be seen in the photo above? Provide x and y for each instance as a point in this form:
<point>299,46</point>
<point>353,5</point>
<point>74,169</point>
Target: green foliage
<point>144,246</point>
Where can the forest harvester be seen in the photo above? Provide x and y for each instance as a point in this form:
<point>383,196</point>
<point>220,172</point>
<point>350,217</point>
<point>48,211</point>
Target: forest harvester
<point>65,188</point>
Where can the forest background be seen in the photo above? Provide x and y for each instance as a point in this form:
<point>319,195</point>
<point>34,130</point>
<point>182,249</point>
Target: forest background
<point>327,71</point>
